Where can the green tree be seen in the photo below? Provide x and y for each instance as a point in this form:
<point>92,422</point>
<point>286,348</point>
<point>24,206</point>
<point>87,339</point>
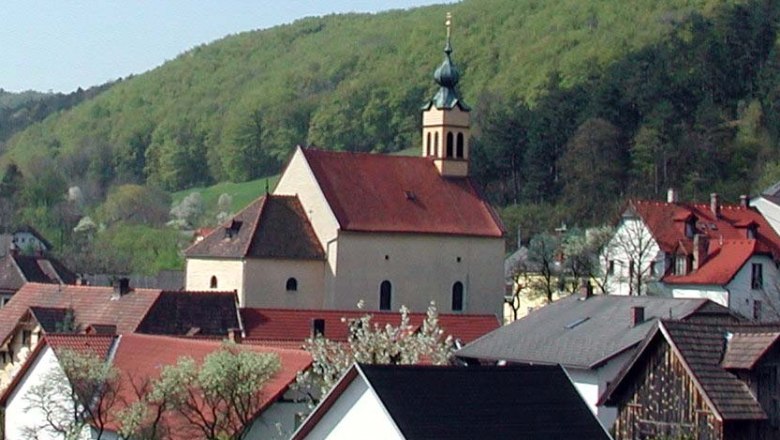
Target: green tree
<point>78,396</point>
<point>136,204</point>
<point>216,399</point>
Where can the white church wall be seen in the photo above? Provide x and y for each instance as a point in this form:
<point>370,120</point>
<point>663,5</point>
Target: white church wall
<point>265,283</point>
<point>228,272</point>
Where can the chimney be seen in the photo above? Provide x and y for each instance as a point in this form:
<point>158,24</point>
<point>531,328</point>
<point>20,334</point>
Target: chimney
<point>671,196</point>
<point>586,289</point>
<point>715,204</point>
<point>519,237</point>
<point>121,287</point>
<point>317,327</point>
<point>743,200</point>
<point>700,246</point>
<point>637,315</point>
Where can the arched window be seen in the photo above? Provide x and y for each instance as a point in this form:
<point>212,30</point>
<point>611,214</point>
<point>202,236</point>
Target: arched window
<point>457,297</point>
<point>428,144</point>
<point>450,146</point>
<point>213,282</point>
<point>292,285</point>
<point>436,144</point>
<point>459,146</point>
<point>385,295</point>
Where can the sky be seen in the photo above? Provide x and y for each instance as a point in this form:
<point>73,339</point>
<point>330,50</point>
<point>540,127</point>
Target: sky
<point>60,45</point>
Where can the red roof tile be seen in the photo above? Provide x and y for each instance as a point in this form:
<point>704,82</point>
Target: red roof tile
<point>99,345</point>
<point>720,267</point>
<point>729,245</point>
<point>295,325</point>
<point>140,358</point>
<point>91,305</point>
<point>382,193</point>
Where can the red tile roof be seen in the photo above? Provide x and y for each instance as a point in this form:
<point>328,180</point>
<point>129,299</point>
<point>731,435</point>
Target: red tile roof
<point>728,243</point>
<point>91,305</point>
<point>99,345</point>
<point>270,227</point>
<point>721,266</point>
<point>294,326</point>
<point>140,358</point>
<point>382,193</point>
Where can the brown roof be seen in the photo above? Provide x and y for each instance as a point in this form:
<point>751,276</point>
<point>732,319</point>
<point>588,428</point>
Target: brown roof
<point>17,269</point>
<point>744,350</point>
<point>270,227</point>
<point>382,193</point>
<point>177,313</point>
<point>140,310</point>
<point>700,347</point>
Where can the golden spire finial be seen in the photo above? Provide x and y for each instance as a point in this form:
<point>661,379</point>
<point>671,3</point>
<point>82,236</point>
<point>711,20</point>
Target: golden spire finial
<point>448,23</point>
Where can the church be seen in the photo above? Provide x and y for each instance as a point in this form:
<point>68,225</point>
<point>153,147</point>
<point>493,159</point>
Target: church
<point>388,231</point>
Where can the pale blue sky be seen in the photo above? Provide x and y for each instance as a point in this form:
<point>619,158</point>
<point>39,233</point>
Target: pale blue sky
<point>60,45</point>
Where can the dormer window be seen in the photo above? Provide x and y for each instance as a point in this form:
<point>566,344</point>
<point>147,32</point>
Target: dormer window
<point>232,230</point>
<point>752,231</point>
<point>690,228</point>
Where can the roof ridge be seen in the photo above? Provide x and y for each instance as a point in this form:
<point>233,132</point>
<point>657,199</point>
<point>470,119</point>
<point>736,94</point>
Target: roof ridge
<point>256,226</point>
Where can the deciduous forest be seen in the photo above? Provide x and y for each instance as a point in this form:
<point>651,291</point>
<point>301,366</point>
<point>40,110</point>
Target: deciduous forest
<point>577,105</point>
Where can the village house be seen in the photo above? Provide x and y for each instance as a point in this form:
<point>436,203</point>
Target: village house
<point>16,269</point>
<point>291,328</point>
<point>139,359</point>
<point>25,239</point>
<point>768,204</point>
<point>39,309</point>
<point>592,336</point>
<point>702,381</point>
<point>726,253</point>
<point>343,227</point>
<point>424,402</point>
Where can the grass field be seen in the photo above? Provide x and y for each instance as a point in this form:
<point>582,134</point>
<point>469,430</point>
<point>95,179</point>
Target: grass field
<point>242,193</point>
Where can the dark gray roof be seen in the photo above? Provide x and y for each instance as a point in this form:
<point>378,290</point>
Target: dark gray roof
<point>529,402</point>
<point>585,333</point>
<point>171,280</point>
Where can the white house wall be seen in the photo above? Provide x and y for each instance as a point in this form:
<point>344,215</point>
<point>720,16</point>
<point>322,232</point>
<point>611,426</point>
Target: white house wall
<point>422,268</point>
<point>738,294</point>
<point>592,383</point>
<point>18,416</point>
<point>229,274</point>
<point>356,414</point>
<point>265,283</point>
<point>277,421</point>
<point>630,229</point>
<point>770,211</point>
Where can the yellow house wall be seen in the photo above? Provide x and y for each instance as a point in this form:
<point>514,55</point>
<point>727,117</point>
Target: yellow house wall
<point>229,273</point>
<point>421,268</point>
<point>266,283</point>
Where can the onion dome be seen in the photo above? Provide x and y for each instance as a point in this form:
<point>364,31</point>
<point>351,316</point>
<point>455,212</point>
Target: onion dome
<point>447,77</point>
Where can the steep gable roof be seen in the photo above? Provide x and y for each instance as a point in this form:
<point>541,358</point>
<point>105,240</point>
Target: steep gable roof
<point>585,333</point>
<point>720,267</point>
<point>666,223</point>
<point>17,269</point>
<point>272,226</point>
<point>428,402</point>
<point>701,347</point>
<point>382,193</point>
<point>296,325</point>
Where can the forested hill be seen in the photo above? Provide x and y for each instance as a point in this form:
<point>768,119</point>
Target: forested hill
<point>577,102</point>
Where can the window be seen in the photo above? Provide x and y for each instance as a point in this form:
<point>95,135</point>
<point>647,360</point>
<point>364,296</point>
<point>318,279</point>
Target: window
<point>457,297</point>
<point>751,232</point>
<point>292,285</point>
<point>459,147</point>
<point>213,283</point>
<point>631,269</point>
<point>436,144</point>
<point>611,267</point>
<point>26,337</point>
<point>690,228</point>
<point>757,276</point>
<point>428,145</point>
<point>680,265</point>
<point>450,145</point>
<point>757,309</point>
<point>385,295</point>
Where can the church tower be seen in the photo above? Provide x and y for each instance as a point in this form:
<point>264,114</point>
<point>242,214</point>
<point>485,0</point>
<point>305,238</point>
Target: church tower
<point>447,120</point>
